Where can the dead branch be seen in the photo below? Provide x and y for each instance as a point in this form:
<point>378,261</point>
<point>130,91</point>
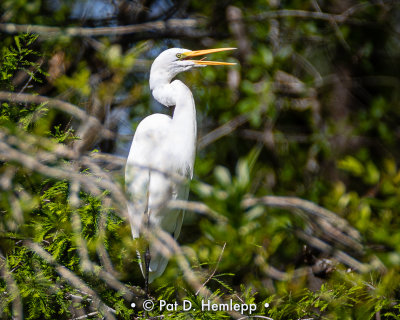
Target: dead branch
<point>335,26</point>
<point>175,27</point>
<point>306,206</point>
<point>12,287</point>
<point>278,14</point>
<point>303,14</point>
<point>221,131</point>
<point>58,104</point>
<point>92,314</point>
<point>345,16</point>
<point>337,254</point>
<point>234,16</point>
<point>91,183</point>
<point>215,269</point>
<point>197,207</point>
<point>115,161</point>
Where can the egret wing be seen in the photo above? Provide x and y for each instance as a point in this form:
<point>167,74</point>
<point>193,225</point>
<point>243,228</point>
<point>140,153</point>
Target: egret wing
<point>143,159</point>
<point>155,174</point>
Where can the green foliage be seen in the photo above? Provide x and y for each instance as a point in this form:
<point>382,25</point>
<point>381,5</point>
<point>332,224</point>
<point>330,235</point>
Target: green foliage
<point>346,296</point>
<point>44,292</point>
<point>63,136</point>
<point>78,82</point>
<point>47,216</point>
<point>19,57</point>
<point>310,111</point>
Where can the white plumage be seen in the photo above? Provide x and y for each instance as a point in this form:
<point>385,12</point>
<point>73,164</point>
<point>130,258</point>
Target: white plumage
<point>162,153</point>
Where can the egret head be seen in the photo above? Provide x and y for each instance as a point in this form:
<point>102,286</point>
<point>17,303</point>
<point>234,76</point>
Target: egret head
<point>176,60</point>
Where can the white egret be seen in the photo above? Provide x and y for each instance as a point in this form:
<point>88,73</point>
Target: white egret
<point>163,147</point>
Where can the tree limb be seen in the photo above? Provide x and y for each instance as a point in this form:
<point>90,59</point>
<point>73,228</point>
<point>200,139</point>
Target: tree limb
<point>318,15</point>
<point>339,18</point>
<point>91,183</point>
<point>56,103</point>
<point>304,205</point>
<point>178,27</point>
<point>221,131</point>
<point>12,287</point>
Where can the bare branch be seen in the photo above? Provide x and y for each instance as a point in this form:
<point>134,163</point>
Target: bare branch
<point>197,207</point>
<point>338,254</point>
<point>306,206</point>
<point>13,291</point>
<point>92,314</point>
<point>91,183</point>
<point>215,269</point>
<point>335,26</point>
<point>234,16</point>
<point>58,104</point>
<point>299,14</point>
<point>113,161</point>
<point>177,27</point>
<point>221,131</point>
<point>319,15</point>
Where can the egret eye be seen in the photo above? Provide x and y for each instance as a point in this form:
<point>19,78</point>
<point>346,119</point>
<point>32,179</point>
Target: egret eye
<point>179,55</point>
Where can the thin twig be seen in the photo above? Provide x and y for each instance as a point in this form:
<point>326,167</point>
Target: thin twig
<point>335,26</point>
<point>339,18</point>
<point>215,269</point>
<point>197,207</point>
<point>168,246</point>
<point>221,131</point>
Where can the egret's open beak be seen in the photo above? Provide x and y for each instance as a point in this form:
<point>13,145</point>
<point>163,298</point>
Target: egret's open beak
<point>188,55</point>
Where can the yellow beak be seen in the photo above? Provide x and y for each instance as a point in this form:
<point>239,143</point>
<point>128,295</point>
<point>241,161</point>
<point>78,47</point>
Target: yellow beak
<point>190,54</point>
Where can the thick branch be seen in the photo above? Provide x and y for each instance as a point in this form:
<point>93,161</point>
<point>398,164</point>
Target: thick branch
<point>182,27</point>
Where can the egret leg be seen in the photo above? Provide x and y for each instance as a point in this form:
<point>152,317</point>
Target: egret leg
<point>147,256</point>
<point>147,259</point>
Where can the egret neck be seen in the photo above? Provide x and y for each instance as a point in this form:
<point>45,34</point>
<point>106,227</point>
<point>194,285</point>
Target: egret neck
<point>184,127</point>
